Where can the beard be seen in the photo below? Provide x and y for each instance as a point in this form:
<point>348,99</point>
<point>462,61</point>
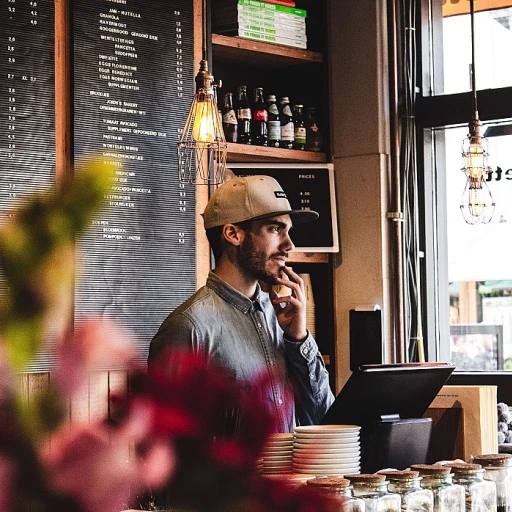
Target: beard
<point>255,262</point>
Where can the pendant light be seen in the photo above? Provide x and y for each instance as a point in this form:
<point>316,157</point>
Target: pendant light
<point>202,148</point>
<point>477,205</point>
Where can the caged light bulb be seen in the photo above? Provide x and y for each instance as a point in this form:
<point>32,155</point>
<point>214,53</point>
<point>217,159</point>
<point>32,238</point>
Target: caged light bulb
<point>203,129</point>
<point>477,205</point>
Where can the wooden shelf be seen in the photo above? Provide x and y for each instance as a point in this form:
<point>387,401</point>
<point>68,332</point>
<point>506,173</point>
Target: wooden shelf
<point>308,257</point>
<point>256,53</point>
<point>250,154</point>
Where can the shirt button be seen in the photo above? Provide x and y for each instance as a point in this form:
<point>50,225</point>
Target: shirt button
<point>259,325</point>
<point>279,401</point>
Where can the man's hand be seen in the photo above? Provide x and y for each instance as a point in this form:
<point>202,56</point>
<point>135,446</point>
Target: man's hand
<point>291,310</point>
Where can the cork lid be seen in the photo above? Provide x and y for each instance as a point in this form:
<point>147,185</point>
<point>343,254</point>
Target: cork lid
<point>399,475</point>
<point>493,459</point>
<point>371,478</point>
<point>465,468</point>
<point>431,469</point>
<point>328,482</point>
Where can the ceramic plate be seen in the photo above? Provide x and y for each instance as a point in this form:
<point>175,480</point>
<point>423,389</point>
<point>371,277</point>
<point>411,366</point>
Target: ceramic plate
<point>319,429</point>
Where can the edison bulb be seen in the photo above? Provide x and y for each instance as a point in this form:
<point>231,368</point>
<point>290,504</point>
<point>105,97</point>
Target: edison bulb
<point>475,158</point>
<point>477,203</point>
<point>203,129</point>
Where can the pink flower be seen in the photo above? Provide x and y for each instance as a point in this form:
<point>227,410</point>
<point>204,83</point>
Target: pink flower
<point>93,466</point>
<point>94,344</point>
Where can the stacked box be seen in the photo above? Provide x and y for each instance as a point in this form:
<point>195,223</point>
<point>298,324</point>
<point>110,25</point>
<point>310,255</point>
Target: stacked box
<point>259,20</point>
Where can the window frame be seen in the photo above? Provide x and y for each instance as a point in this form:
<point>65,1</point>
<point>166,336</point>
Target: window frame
<point>436,111</point>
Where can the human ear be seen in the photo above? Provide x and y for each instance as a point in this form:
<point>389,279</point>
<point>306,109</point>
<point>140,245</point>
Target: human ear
<point>233,234</point>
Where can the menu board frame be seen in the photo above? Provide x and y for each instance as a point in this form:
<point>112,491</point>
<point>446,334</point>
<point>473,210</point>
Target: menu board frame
<point>308,186</point>
<point>133,81</point>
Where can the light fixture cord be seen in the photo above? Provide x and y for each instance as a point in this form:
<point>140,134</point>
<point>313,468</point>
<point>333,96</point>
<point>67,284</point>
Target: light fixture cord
<point>205,29</point>
<point>473,73</point>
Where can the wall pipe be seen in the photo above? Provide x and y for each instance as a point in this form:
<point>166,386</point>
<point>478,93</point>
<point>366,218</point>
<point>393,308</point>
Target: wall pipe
<point>395,214</point>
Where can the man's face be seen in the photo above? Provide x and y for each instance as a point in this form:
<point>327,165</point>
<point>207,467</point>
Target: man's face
<point>264,250</point>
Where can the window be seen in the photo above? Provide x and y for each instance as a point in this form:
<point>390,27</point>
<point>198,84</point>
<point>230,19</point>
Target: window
<point>469,277</point>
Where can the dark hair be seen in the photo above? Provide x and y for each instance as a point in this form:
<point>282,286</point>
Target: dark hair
<point>216,241</point>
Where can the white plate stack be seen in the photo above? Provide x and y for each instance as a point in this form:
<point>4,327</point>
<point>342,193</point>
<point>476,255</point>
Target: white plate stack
<point>276,456</point>
<point>326,450</point>
<point>310,304</point>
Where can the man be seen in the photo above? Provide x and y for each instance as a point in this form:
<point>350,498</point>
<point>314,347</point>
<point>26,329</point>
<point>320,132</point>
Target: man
<point>237,324</point>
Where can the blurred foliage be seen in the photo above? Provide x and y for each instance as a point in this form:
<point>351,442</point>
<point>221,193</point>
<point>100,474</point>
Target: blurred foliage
<point>37,257</point>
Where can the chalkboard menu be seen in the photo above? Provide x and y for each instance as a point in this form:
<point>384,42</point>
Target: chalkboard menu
<point>27,101</point>
<point>308,187</point>
<point>133,82</point>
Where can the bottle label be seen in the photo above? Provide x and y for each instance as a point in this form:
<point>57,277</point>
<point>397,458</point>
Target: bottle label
<point>287,132</point>
<point>287,111</point>
<point>300,135</point>
<point>274,130</point>
<point>229,117</point>
<point>260,115</point>
<point>272,109</point>
<point>244,113</point>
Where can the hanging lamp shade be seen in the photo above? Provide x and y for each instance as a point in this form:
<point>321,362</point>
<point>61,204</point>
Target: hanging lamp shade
<point>477,204</point>
<point>202,148</point>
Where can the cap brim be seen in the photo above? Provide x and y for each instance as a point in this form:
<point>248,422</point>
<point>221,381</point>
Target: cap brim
<point>297,216</point>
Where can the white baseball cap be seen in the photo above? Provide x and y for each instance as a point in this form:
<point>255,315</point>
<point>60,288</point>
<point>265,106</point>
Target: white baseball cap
<point>251,198</point>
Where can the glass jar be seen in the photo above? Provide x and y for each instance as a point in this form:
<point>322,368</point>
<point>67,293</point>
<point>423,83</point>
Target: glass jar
<point>480,493</point>
<point>448,497</point>
<point>498,468</point>
<point>341,490</point>
<point>407,485</point>
<point>373,489</point>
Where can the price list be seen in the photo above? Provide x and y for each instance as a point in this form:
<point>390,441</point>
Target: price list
<point>308,187</point>
<point>27,104</point>
<point>133,81</point>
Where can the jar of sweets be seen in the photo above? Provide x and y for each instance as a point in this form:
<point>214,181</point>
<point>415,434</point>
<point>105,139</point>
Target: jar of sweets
<point>407,485</point>
<point>373,489</point>
<point>480,493</point>
<point>498,468</point>
<point>341,490</point>
<point>448,497</point>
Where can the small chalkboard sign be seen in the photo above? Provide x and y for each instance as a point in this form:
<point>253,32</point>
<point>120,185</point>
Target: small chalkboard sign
<point>308,187</point>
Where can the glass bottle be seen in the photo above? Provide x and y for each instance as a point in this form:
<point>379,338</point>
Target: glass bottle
<point>244,116</point>
<point>340,489</point>
<point>407,485</point>
<point>287,128</point>
<point>314,139</point>
<point>373,490</point>
<point>448,497</point>
<point>259,118</point>
<point>299,132</point>
<point>274,123</point>
<point>229,120</point>
<point>480,493</point>
<point>498,468</point>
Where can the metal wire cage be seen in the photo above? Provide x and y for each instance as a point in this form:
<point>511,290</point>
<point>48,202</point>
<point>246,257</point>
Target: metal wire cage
<point>477,204</point>
<point>202,148</point>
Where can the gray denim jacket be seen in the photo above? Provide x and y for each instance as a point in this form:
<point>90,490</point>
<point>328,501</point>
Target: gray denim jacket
<point>244,336</point>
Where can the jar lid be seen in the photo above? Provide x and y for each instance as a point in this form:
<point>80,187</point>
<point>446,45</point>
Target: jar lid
<point>329,482</point>
<point>406,474</point>
<point>465,467</point>
<point>493,459</point>
<point>431,469</point>
<point>372,478</point>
